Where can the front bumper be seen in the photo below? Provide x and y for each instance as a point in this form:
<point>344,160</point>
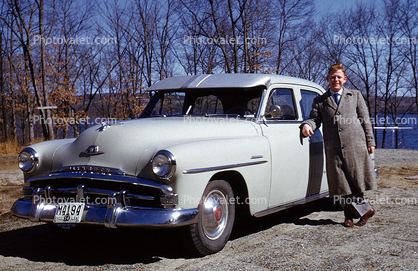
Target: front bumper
<point>112,216</point>
<point>122,208</point>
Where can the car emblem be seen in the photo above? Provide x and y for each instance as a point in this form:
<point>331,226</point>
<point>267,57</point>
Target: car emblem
<point>92,150</point>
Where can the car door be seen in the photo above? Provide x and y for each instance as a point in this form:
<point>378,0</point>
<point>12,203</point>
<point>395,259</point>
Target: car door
<point>289,151</point>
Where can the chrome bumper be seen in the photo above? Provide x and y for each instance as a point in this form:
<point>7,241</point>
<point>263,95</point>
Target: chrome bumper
<point>112,216</point>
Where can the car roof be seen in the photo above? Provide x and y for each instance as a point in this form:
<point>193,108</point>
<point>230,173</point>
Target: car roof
<point>230,80</point>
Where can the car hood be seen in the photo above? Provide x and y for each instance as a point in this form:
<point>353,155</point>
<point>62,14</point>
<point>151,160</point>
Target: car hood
<point>129,145</point>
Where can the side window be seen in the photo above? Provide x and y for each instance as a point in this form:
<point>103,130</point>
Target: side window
<point>170,104</point>
<point>282,97</point>
<point>207,105</point>
<point>307,100</point>
<point>253,104</point>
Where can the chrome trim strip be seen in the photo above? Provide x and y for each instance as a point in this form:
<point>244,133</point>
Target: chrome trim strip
<point>283,121</point>
<point>257,157</point>
<point>166,189</point>
<point>201,80</point>
<point>290,204</point>
<point>141,197</point>
<point>115,216</point>
<point>200,170</point>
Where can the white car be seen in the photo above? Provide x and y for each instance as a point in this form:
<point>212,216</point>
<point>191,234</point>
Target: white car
<point>205,149</point>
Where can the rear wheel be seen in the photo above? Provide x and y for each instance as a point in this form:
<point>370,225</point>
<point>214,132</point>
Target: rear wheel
<point>216,218</point>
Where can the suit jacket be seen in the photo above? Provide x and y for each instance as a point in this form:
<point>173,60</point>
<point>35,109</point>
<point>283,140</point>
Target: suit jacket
<point>347,134</point>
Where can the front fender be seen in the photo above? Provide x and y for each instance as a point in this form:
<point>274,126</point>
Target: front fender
<point>198,161</point>
<point>46,152</point>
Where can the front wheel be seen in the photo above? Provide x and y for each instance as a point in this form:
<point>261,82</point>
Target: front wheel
<point>216,218</point>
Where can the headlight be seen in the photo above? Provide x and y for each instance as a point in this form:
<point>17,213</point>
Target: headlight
<point>28,160</point>
<point>164,164</point>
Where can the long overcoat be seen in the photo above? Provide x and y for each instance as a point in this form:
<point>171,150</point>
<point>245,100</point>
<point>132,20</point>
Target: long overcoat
<point>347,134</point>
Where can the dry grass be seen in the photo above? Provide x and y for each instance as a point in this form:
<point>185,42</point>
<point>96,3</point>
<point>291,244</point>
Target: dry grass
<point>398,176</point>
<point>9,152</point>
<point>10,148</point>
<point>8,155</point>
<point>13,148</point>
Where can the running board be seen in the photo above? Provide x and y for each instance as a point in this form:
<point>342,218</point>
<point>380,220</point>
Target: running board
<point>290,204</point>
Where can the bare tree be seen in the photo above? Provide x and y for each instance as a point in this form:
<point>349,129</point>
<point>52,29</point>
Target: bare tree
<point>395,61</point>
<point>165,33</point>
<point>258,34</point>
<point>408,16</point>
<point>197,55</point>
<point>292,17</point>
<point>24,35</point>
<point>152,40</point>
<point>2,92</point>
<point>49,131</point>
<point>363,52</point>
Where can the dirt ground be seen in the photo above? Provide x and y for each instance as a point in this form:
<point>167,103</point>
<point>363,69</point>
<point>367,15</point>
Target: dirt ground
<point>307,237</point>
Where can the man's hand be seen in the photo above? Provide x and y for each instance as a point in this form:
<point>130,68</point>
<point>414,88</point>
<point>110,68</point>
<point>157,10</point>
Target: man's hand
<point>370,149</point>
<point>307,130</point>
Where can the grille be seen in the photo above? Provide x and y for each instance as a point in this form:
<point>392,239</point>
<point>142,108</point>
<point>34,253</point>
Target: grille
<point>95,192</point>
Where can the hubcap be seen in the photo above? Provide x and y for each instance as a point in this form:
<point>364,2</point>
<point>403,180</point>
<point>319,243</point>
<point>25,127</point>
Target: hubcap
<point>215,214</point>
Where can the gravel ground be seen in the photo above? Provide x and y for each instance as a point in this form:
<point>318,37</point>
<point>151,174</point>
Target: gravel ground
<point>307,237</point>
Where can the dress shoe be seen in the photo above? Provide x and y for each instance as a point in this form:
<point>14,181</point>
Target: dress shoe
<point>365,217</point>
<point>348,223</point>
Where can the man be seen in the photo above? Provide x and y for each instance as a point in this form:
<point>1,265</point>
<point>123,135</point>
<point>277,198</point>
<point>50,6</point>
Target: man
<point>348,141</point>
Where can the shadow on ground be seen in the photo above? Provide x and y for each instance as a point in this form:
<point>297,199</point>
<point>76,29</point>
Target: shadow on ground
<point>109,246</point>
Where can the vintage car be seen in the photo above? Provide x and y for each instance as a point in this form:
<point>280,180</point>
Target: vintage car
<point>205,149</point>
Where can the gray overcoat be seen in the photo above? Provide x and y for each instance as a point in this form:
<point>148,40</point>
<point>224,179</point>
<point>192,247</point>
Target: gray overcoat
<point>347,134</point>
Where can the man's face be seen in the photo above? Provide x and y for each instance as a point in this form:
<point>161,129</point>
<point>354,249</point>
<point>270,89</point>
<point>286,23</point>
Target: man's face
<point>336,80</point>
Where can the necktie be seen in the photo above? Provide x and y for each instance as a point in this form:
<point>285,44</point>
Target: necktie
<point>337,98</point>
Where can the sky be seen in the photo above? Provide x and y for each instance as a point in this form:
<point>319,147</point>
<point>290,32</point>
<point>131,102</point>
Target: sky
<point>333,5</point>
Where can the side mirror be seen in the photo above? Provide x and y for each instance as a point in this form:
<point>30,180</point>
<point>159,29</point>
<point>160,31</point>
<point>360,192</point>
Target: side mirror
<point>274,111</point>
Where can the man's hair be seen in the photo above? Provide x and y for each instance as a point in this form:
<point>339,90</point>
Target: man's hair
<point>336,67</point>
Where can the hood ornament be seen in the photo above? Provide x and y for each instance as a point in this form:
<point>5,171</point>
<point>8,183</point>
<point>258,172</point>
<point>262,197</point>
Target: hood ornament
<point>92,150</point>
<point>105,125</point>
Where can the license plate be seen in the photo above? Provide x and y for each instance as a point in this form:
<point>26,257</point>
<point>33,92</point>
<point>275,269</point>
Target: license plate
<point>69,212</point>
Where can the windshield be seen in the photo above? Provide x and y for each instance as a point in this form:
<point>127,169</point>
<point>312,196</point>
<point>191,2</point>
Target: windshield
<point>238,102</point>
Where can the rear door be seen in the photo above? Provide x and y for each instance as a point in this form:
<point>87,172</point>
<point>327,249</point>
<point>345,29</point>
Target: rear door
<point>317,174</point>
